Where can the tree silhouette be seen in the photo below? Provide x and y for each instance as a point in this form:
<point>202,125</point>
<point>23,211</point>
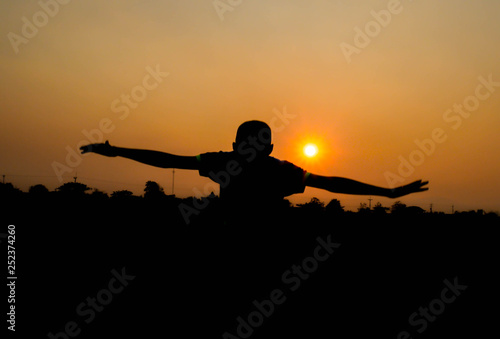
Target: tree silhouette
<point>153,190</point>
<point>413,210</point>
<point>98,195</point>
<point>122,194</point>
<point>286,203</point>
<point>73,189</point>
<point>363,208</point>
<point>8,190</point>
<point>314,205</point>
<point>378,209</point>
<point>334,207</point>
<point>398,208</point>
<point>38,190</point>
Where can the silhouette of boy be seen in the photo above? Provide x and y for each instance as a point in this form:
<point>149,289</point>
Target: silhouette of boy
<point>248,176</point>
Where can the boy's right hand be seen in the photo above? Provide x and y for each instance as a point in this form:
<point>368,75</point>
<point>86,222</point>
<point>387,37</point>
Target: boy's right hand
<point>414,187</point>
<point>103,149</point>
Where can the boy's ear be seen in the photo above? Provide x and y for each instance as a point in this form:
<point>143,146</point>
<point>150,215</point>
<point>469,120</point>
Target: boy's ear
<point>269,149</point>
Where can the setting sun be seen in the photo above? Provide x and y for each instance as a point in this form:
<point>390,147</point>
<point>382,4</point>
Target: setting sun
<point>310,150</point>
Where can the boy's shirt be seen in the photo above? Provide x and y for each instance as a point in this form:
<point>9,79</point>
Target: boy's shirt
<point>254,181</point>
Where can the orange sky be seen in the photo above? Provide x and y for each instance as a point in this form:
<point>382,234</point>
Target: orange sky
<point>362,79</point>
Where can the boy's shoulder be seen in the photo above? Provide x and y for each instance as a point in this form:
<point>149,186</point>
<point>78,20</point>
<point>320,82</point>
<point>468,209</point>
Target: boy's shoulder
<point>223,157</point>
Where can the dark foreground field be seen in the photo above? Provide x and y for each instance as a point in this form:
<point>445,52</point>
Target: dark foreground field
<point>114,270</point>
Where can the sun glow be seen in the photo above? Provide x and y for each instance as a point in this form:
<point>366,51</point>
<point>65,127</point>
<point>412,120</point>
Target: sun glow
<point>310,150</point>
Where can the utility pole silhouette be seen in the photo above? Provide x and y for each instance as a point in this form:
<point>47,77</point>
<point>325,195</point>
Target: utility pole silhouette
<point>370,203</point>
<point>173,180</point>
<point>3,178</point>
<point>431,208</point>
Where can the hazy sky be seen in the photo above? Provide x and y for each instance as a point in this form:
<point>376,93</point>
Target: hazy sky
<point>364,80</point>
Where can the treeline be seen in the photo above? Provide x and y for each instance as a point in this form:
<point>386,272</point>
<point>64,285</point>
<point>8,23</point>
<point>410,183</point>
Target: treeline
<point>154,195</point>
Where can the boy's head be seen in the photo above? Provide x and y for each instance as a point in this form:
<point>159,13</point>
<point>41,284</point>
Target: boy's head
<point>253,134</point>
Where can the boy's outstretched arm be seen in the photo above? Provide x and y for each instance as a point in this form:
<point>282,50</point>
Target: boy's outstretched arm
<point>348,186</point>
<point>153,158</point>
